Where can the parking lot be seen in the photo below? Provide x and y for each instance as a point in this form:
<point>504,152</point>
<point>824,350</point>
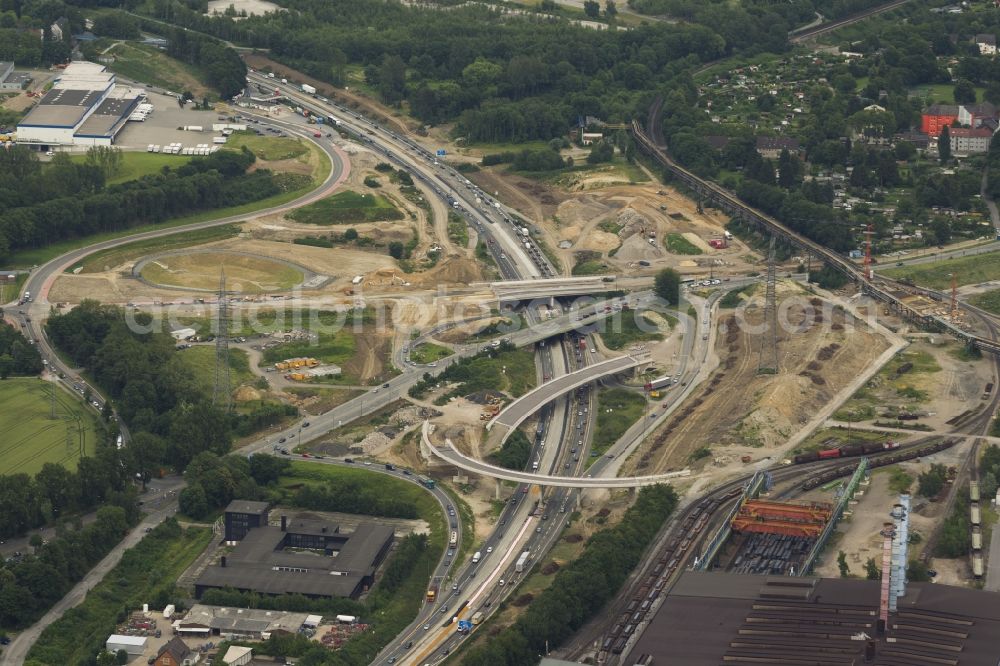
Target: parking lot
<point>163,125</point>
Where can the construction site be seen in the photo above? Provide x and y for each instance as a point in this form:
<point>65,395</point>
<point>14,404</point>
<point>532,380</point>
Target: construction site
<point>738,411</point>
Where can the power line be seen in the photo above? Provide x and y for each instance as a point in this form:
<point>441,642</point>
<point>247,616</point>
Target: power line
<point>222,396</point>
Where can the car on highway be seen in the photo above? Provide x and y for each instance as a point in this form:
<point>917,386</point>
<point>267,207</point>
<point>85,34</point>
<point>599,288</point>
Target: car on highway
<point>306,424</point>
<point>489,549</point>
<point>501,583</point>
<point>281,441</point>
<point>427,627</point>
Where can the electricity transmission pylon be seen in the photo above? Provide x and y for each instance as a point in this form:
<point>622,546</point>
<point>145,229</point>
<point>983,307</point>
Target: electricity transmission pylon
<point>222,396</point>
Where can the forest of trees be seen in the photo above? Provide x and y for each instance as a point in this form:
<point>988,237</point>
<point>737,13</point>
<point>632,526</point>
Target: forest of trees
<point>42,204</point>
<point>502,80</point>
<point>170,415</point>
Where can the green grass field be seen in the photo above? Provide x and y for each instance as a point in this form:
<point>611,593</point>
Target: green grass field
<point>626,331</point>
<point>135,165</point>
<point>677,244</point>
<point>106,259</point>
<point>38,256</point>
<point>590,267</point>
<point>988,300</point>
<point>29,438</point>
<point>268,148</point>
<point>147,64</point>
<point>346,207</point>
<point>200,359</point>
<point>201,270</point>
<point>617,410</point>
<point>10,290</point>
<point>429,352</point>
<point>458,230</point>
<point>937,274</point>
<point>336,348</point>
<point>941,92</point>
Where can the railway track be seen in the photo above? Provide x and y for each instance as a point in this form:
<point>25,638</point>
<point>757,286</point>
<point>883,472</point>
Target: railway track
<point>824,28</point>
<point>882,290</point>
<point>680,539</point>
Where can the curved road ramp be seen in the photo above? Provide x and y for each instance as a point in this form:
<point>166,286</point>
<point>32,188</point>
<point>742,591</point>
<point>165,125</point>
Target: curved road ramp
<point>453,456</point>
<point>529,403</point>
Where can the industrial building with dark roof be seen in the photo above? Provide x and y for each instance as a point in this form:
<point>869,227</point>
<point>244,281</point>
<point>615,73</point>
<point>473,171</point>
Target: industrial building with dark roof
<point>83,107</point>
<point>709,619</point>
<point>307,557</point>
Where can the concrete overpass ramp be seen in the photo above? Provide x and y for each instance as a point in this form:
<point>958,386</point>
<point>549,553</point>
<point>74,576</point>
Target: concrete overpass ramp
<point>453,456</point>
<point>519,410</point>
<point>526,290</point>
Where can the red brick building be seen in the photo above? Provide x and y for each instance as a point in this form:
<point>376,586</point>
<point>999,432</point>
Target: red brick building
<point>936,117</point>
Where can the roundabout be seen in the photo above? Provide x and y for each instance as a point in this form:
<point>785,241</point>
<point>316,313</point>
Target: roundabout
<point>246,272</point>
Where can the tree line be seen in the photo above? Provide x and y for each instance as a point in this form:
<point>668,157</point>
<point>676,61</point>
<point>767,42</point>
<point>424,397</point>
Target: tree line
<point>214,482</point>
<point>67,199</point>
<point>581,588</point>
<point>32,583</point>
<point>17,357</point>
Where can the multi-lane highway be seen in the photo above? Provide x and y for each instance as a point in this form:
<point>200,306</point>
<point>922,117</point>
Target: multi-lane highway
<point>523,524</point>
<point>518,257</point>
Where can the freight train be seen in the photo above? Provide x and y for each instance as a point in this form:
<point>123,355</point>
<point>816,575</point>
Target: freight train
<point>847,451</point>
<point>670,558</point>
<point>905,454</point>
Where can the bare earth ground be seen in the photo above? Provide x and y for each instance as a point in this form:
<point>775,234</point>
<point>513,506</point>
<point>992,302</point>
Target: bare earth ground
<point>745,412</point>
<point>954,389</point>
<point>859,536</point>
<point>573,214</point>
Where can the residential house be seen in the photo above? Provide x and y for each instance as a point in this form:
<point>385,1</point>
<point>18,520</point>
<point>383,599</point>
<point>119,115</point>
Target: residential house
<point>936,117</point>
<point>176,653</point>
<point>987,44</point>
<point>973,115</point>
<point>966,140</point>
<point>770,147</point>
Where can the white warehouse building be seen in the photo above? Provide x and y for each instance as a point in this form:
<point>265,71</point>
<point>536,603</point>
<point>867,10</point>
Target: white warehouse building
<point>133,645</point>
<point>83,108</point>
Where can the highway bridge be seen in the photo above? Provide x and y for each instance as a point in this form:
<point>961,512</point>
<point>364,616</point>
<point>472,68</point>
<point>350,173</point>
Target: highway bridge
<point>728,202</point>
<point>526,290</point>
<point>517,411</point>
<point>453,456</point>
